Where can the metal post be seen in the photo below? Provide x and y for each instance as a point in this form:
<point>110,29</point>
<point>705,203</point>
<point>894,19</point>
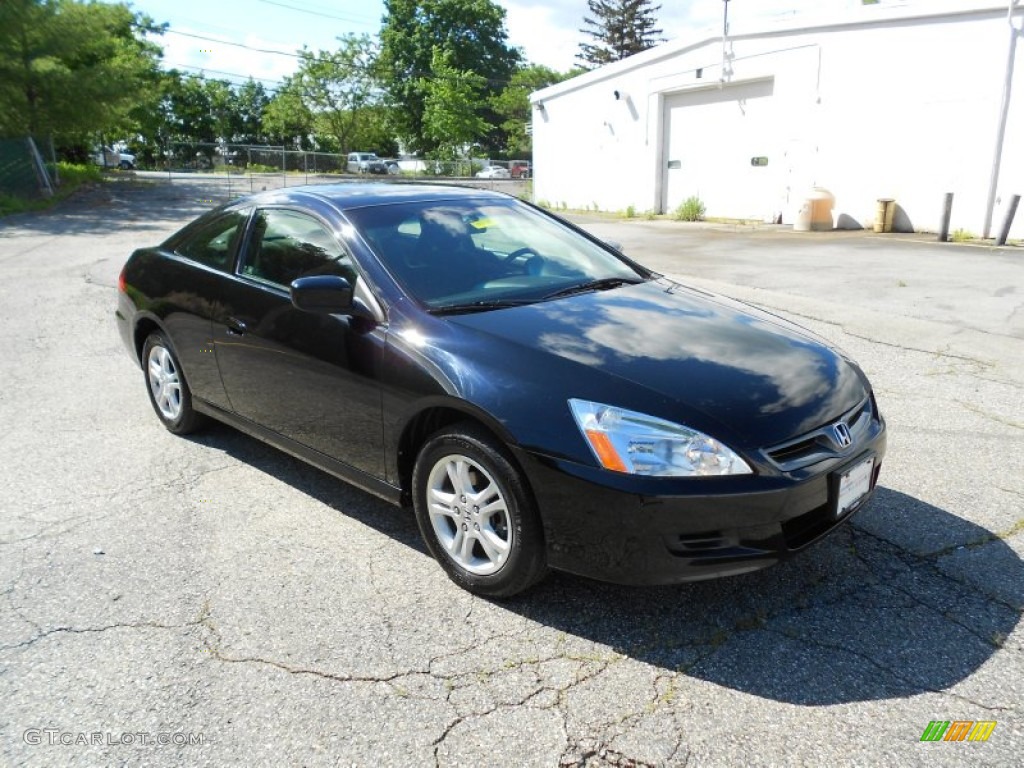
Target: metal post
<point>1004,110</point>
<point>1008,221</point>
<point>947,213</point>
<point>725,43</point>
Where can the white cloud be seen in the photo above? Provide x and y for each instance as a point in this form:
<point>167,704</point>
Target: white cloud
<point>217,58</point>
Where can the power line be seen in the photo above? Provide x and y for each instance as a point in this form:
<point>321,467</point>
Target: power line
<point>238,45</point>
<point>317,13</point>
<point>279,84</point>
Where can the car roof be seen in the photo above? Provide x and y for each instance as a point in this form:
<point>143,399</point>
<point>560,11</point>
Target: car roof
<point>359,194</point>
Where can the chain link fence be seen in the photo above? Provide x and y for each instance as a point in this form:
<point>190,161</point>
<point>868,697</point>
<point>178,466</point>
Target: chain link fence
<point>25,171</point>
<point>220,172</point>
<point>252,158</point>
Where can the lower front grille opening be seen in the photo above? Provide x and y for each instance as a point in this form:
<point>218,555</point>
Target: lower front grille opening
<point>714,545</point>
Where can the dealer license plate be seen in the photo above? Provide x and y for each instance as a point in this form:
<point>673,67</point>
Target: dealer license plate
<point>854,484</point>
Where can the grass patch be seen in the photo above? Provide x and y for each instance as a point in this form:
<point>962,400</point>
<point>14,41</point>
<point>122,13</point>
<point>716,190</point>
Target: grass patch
<point>691,209</point>
<point>962,236</point>
<point>72,176</point>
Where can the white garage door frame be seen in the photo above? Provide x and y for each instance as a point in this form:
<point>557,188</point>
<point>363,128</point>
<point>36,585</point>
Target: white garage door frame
<point>665,107</point>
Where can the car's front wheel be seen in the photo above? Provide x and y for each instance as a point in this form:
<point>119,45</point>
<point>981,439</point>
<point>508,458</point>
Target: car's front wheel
<point>167,387</point>
<point>476,513</point>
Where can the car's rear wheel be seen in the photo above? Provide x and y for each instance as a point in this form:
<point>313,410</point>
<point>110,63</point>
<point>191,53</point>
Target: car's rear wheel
<point>476,513</point>
<point>168,390</point>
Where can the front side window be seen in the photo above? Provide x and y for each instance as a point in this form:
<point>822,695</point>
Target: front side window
<point>286,245</point>
<point>213,244</point>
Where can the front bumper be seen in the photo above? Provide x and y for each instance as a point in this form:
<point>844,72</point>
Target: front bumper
<point>631,530</point>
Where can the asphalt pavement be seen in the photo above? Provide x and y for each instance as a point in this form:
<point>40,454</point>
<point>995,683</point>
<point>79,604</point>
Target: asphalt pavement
<point>212,601</point>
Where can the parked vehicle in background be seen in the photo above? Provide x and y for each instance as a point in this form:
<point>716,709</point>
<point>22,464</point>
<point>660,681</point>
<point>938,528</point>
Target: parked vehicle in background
<point>493,172</point>
<point>110,158</point>
<point>392,167</point>
<point>519,169</point>
<point>365,162</point>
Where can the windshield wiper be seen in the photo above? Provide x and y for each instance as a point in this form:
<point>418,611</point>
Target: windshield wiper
<point>478,306</point>
<point>602,284</point>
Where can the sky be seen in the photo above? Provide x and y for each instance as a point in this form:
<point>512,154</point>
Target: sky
<point>546,30</point>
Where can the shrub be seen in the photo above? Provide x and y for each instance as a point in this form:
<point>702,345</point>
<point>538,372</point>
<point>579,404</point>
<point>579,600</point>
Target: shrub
<point>630,211</point>
<point>75,174</point>
<point>691,209</point>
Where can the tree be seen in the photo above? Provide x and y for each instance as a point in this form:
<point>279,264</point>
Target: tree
<point>336,87</point>
<point>512,106</point>
<point>451,117</point>
<point>71,69</point>
<point>188,108</point>
<point>287,120</point>
<point>250,103</point>
<point>473,34</point>
<point>619,28</point>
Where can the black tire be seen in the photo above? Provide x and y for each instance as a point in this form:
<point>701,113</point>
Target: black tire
<point>176,412</point>
<point>517,525</point>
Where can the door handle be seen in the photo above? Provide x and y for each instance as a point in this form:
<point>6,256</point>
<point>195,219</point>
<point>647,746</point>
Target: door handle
<point>236,327</point>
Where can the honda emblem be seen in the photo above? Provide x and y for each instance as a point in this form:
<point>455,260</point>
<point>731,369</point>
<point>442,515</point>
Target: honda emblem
<point>841,432</point>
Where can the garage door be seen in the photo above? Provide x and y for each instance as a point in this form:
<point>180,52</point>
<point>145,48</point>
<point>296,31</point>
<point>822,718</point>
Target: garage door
<point>719,146</point>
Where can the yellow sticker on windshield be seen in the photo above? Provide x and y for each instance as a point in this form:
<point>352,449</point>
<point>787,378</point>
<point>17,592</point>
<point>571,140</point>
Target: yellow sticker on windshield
<point>483,223</point>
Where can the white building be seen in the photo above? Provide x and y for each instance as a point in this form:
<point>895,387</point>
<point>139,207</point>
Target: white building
<point>900,101</point>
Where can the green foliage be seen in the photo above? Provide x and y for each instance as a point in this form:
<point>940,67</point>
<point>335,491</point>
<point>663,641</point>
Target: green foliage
<point>287,119</point>
<point>249,105</point>
<point>74,69</point>
<point>474,40</point>
<point>13,204</point>
<point>512,106</point>
<point>189,109</point>
<point>72,177</point>
<point>691,209</point>
<point>962,236</point>
<point>630,212</point>
<point>338,86</point>
<point>619,29</point>
<point>77,174</point>
<point>450,116</point>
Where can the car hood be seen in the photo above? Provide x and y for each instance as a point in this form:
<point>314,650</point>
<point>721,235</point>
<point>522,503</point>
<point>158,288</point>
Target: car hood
<point>679,353</point>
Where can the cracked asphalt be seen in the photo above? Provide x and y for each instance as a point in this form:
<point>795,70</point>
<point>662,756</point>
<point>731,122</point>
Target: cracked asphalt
<point>217,595</point>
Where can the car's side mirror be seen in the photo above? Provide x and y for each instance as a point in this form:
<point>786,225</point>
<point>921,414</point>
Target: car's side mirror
<point>617,246</point>
<point>326,294</point>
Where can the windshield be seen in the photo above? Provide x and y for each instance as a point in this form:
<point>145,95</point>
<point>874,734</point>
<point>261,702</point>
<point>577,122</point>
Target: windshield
<point>466,253</point>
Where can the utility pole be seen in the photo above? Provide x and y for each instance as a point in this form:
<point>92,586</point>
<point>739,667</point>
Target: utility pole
<point>1004,110</point>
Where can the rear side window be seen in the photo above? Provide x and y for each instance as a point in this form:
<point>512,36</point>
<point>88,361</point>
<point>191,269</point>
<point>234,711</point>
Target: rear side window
<point>287,244</point>
<point>214,243</point>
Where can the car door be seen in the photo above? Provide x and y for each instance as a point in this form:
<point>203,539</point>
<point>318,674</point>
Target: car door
<point>312,378</point>
<point>185,293</point>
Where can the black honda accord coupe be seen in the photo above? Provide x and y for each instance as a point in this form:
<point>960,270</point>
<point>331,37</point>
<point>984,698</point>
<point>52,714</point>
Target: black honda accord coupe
<point>539,399</point>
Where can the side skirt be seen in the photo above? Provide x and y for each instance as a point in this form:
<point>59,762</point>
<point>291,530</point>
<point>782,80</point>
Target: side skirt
<point>339,469</point>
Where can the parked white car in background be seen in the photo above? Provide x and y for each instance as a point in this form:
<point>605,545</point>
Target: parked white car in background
<point>493,172</point>
<point>110,158</point>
